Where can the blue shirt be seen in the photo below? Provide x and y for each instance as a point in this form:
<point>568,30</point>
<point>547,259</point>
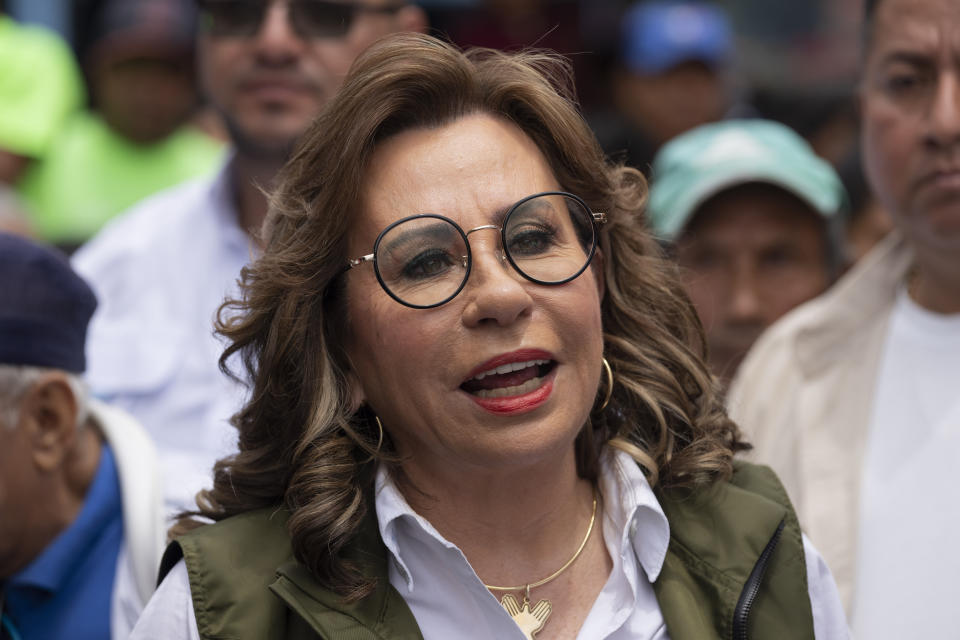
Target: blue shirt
<point>66,591</point>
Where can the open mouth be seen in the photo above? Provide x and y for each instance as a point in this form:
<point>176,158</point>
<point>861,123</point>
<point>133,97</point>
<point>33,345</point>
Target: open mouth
<point>513,379</point>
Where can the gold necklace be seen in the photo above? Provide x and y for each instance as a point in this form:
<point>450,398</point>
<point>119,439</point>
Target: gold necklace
<point>530,620</point>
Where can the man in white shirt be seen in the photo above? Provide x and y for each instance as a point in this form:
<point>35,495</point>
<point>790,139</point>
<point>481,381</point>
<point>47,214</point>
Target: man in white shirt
<point>853,398</point>
<point>162,269</point>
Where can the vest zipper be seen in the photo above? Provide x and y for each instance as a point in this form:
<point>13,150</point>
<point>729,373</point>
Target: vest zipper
<point>741,615</point>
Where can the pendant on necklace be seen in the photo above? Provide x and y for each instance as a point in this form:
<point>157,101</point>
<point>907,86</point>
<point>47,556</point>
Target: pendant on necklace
<point>529,620</point>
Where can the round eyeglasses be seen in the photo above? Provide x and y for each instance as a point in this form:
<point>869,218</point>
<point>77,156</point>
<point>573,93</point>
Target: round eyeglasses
<point>423,261</point>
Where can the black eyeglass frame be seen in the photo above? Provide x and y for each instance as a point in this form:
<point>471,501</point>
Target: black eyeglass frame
<point>263,5</point>
<point>597,219</point>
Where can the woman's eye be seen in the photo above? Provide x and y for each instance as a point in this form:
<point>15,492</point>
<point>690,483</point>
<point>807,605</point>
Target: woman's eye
<point>531,242</point>
<point>428,264</point>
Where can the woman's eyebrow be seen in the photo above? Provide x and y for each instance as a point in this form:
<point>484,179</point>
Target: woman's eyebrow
<point>500,215</point>
<point>438,231</point>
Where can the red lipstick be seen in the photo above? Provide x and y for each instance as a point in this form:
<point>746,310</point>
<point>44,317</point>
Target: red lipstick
<point>513,405</point>
<point>533,382</point>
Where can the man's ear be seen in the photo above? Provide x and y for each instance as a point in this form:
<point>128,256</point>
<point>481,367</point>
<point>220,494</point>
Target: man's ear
<point>48,414</point>
<point>411,18</point>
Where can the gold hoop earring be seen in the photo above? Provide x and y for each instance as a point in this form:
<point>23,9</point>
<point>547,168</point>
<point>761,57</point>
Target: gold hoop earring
<point>373,456</point>
<point>380,438</point>
<point>609,393</point>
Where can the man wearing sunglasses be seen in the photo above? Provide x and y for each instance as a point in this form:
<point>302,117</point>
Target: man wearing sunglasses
<point>269,66</point>
<point>161,270</point>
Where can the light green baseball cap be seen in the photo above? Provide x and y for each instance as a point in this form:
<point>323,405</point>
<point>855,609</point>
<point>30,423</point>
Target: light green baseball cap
<point>697,165</point>
<point>40,87</point>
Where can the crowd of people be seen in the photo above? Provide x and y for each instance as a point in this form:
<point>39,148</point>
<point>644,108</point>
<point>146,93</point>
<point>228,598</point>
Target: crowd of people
<point>367,331</point>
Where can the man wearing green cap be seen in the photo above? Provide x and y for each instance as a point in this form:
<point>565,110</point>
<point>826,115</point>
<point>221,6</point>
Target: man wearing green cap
<point>752,215</point>
<point>854,398</point>
<point>40,87</point>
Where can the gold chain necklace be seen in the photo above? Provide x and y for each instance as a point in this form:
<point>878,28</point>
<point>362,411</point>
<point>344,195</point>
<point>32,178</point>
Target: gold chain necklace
<point>530,620</point>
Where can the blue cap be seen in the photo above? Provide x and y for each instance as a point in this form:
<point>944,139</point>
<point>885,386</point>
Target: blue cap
<point>659,35</point>
<point>45,307</point>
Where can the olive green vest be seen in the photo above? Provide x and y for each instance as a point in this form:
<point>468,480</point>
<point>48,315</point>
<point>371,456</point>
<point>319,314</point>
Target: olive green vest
<point>717,540</point>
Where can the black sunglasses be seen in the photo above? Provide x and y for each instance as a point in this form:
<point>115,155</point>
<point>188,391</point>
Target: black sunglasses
<point>307,18</point>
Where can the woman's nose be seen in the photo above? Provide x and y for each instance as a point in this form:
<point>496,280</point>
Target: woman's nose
<point>495,292</point>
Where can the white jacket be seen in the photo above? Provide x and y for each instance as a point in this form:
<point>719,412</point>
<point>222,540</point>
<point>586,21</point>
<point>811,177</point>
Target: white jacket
<point>804,396</point>
<point>144,529</point>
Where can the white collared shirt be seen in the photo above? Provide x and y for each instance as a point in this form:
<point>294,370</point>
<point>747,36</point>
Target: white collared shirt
<point>434,577</point>
<point>160,271</point>
<point>448,600</point>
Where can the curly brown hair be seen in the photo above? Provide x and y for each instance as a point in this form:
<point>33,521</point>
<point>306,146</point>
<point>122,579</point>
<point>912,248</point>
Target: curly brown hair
<point>303,443</point>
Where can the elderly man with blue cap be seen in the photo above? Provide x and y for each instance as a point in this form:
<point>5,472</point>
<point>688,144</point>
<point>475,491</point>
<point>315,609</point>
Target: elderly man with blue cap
<point>755,219</point>
<point>81,524</point>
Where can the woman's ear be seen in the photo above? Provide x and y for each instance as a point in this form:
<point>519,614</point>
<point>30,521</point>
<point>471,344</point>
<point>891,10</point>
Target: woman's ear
<point>356,394</point>
<point>597,266</point>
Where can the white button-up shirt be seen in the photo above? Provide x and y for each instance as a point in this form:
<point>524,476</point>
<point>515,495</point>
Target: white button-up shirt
<point>448,600</point>
<point>160,271</point>
<point>434,577</point>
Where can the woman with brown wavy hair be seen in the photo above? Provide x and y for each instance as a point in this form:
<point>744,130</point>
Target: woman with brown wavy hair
<point>478,407</point>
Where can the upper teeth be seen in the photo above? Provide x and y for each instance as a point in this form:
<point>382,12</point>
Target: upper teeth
<point>508,368</point>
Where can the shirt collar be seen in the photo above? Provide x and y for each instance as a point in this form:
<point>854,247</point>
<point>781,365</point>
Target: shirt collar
<point>633,509</point>
<point>629,503</point>
<point>222,202</point>
<point>55,564</point>
<point>392,508</point>
<point>867,291</point>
